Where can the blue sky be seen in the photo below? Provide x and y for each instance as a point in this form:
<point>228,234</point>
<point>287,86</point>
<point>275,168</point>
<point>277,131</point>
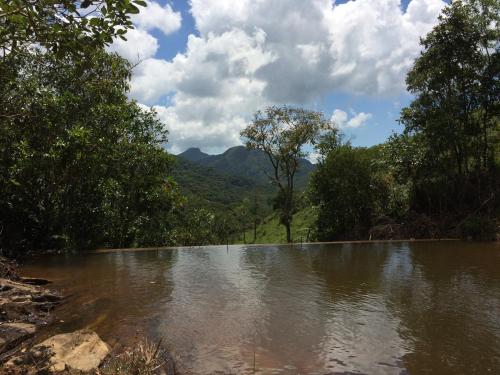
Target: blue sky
<point>207,65</point>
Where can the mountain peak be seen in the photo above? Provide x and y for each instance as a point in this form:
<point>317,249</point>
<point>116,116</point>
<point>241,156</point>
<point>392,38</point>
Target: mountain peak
<point>193,154</point>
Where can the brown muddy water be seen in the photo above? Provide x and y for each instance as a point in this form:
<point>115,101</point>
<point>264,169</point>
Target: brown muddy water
<point>379,308</point>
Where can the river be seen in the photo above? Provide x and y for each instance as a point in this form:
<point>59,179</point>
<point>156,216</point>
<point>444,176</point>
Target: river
<point>377,308</point>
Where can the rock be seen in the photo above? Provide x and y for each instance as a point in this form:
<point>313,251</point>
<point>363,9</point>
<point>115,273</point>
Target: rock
<point>30,303</point>
<point>80,350</point>
<point>12,334</point>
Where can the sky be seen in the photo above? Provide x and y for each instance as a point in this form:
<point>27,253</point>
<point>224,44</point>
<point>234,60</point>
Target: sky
<point>206,66</point>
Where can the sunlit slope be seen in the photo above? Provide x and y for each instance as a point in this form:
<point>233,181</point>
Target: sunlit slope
<point>271,231</point>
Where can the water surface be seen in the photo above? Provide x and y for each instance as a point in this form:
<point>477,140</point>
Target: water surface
<point>386,308</point>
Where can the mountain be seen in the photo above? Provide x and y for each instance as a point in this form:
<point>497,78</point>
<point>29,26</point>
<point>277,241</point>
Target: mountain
<point>207,187</point>
<point>193,154</point>
<point>249,164</point>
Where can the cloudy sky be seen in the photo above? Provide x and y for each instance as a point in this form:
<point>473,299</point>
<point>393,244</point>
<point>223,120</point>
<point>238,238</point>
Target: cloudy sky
<point>207,65</point>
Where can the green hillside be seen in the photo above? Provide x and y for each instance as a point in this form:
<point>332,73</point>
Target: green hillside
<point>248,164</point>
<point>235,188</point>
<point>207,187</point>
<point>271,231</point>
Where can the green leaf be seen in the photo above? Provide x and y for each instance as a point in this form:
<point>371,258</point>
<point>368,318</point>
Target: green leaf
<point>132,9</point>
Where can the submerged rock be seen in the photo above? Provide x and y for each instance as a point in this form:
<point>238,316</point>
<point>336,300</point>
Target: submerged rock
<point>34,281</point>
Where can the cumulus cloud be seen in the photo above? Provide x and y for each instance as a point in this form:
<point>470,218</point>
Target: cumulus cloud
<point>342,120</point>
<point>212,67</point>
<point>140,44</point>
<point>155,16</point>
<point>213,85</point>
<point>251,53</point>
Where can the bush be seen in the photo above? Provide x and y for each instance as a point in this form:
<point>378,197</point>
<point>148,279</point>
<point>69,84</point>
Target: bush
<point>478,228</point>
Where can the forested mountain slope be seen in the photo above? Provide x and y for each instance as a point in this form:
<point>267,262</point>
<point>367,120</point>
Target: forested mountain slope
<point>210,187</point>
<point>249,164</point>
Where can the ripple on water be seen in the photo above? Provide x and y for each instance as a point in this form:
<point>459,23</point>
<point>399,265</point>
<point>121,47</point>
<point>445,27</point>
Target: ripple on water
<point>356,308</point>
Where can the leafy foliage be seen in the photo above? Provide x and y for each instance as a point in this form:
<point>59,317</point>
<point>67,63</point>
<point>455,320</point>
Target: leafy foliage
<point>444,167</point>
<point>64,26</point>
<point>270,231</point>
<point>349,191</point>
<point>281,133</point>
<point>80,165</point>
<point>450,144</point>
<point>230,203</point>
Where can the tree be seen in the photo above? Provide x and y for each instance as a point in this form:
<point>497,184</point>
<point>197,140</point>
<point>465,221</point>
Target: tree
<point>455,116</point>
<point>349,191</point>
<point>80,165</point>
<point>283,134</point>
<point>64,26</point>
<point>255,213</point>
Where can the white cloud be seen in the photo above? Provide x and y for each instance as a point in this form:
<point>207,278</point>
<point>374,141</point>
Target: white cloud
<point>139,45</point>
<point>155,16</point>
<point>373,43</point>
<point>215,88</point>
<point>341,119</point>
<point>151,79</point>
<point>251,53</point>
<point>212,67</point>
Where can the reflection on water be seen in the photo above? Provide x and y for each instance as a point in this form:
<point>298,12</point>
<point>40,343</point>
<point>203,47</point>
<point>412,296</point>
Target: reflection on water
<point>398,308</point>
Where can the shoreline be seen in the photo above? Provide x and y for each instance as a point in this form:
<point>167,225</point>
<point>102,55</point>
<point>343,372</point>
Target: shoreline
<point>27,306</point>
<point>157,248</point>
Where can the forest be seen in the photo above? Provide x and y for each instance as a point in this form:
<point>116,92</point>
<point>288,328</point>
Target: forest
<point>82,166</point>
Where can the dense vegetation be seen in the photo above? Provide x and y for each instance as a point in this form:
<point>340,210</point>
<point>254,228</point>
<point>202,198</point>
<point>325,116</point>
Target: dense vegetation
<point>221,204</point>
<point>441,175</point>
<point>252,165</point>
<point>82,166</point>
<point>64,27</point>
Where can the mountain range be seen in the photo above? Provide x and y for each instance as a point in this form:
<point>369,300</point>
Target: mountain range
<point>241,162</point>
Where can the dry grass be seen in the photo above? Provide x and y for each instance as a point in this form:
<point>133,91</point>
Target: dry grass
<point>145,358</point>
<point>8,269</point>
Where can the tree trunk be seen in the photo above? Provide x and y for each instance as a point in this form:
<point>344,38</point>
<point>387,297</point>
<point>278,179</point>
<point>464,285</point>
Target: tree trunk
<point>254,231</point>
<point>288,232</point>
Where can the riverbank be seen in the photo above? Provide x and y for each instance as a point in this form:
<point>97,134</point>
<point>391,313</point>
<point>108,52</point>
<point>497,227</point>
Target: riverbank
<point>25,307</point>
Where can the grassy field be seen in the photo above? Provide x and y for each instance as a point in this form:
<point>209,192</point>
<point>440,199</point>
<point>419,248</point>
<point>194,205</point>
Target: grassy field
<point>270,230</point>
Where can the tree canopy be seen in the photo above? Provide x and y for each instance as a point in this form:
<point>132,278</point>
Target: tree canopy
<point>455,116</point>
<point>80,165</point>
<point>64,26</point>
<point>282,133</point>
